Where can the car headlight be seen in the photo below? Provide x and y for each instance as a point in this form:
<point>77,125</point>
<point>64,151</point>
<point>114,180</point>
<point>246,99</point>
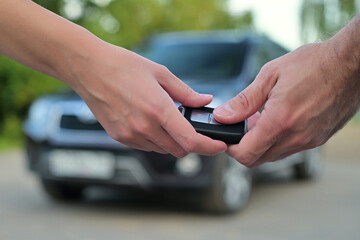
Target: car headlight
<point>36,124</point>
<point>39,111</point>
<point>188,166</point>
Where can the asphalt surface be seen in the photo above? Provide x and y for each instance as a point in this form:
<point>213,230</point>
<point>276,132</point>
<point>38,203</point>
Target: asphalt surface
<point>280,208</point>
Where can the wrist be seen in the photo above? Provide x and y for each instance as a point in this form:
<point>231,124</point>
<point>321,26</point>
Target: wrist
<point>344,68</point>
<point>75,52</point>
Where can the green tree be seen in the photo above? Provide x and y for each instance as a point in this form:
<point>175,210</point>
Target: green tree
<point>320,19</point>
<point>128,22</point>
<point>19,86</point>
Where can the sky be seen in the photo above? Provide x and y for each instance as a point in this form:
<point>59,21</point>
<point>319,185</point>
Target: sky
<point>278,19</point>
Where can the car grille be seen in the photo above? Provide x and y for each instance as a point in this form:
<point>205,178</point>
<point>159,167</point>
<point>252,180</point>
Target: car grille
<point>161,163</point>
<point>73,123</point>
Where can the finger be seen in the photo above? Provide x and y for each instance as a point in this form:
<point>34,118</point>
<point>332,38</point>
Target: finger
<point>168,144</point>
<point>287,154</point>
<point>287,146</point>
<point>282,156</point>
<point>255,142</point>
<point>185,135</point>
<point>252,120</point>
<point>248,101</point>
<point>182,93</point>
<point>154,147</point>
<point>136,146</point>
<point>145,145</point>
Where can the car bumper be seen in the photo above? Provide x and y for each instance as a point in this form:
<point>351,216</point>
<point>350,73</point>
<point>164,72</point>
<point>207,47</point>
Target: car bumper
<point>132,168</point>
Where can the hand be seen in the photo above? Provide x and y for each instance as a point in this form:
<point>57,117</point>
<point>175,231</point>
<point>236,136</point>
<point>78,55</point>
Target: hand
<point>308,94</point>
<point>132,98</point>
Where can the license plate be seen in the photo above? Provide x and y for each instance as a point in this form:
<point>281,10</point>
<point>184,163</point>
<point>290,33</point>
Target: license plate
<point>82,164</point>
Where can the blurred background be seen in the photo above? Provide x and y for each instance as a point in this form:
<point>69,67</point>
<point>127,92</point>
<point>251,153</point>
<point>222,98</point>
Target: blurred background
<point>279,207</point>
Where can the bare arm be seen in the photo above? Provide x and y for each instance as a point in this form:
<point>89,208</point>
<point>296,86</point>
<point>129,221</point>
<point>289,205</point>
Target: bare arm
<point>309,93</point>
<point>130,95</point>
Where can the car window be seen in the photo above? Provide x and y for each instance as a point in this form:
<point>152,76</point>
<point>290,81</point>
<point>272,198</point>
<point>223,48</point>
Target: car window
<point>261,57</point>
<point>265,52</point>
<point>201,61</point>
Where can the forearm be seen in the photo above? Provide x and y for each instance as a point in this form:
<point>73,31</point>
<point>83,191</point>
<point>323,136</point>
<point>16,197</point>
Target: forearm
<point>346,48</point>
<point>42,40</point>
<point>344,70</point>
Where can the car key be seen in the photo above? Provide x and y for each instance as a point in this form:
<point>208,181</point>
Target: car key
<point>204,122</point>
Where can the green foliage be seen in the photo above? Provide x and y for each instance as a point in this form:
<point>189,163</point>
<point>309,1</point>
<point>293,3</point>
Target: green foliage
<point>20,86</point>
<point>322,18</point>
<point>11,135</point>
<point>121,22</point>
<point>128,22</point>
<point>356,118</point>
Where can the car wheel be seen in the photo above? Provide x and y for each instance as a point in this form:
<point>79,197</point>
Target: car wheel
<point>311,166</point>
<point>231,186</point>
<point>62,191</point>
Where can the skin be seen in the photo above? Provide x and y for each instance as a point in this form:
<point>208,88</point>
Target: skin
<point>309,94</point>
<point>131,96</point>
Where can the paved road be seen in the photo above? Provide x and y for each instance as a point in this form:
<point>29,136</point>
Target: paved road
<point>280,208</point>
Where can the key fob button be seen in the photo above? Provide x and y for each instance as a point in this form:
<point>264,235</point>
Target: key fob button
<point>212,120</point>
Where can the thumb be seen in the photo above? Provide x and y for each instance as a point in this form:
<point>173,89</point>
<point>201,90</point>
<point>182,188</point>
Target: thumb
<point>182,93</point>
<point>249,101</point>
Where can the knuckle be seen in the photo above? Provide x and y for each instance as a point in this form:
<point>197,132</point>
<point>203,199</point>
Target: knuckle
<point>143,128</point>
<point>278,126</point>
<point>176,151</point>
<point>252,166</point>
<point>268,68</point>
<point>322,142</point>
<point>267,72</point>
<point>164,68</point>
<point>301,141</point>
<point>128,136</point>
<point>245,159</point>
<point>316,143</point>
<point>122,136</point>
<point>155,111</point>
<point>190,146</point>
<point>248,164</point>
<point>114,133</point>
<point>162,71</point>
<point>286,123</point>
<point>115,136</point>
<point>241,100</point>
<point>180,154</point>
<point>313,145</point>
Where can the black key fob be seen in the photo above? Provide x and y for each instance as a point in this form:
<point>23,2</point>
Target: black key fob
<point>204,122</point>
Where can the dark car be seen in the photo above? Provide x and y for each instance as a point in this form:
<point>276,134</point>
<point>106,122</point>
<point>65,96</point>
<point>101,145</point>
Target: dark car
<point>70,151</point>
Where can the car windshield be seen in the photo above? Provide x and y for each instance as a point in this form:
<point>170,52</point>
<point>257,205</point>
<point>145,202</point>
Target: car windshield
<point>201,61</point>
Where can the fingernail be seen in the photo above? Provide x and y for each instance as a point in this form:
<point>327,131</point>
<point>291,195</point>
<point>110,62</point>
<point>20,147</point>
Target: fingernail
<point>206,95</point>
<point>224,110</point>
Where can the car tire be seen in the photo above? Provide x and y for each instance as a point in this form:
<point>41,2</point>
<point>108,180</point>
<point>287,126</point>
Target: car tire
<point>311,166</point>
<point>230,188</point>
<point>62,191</point>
